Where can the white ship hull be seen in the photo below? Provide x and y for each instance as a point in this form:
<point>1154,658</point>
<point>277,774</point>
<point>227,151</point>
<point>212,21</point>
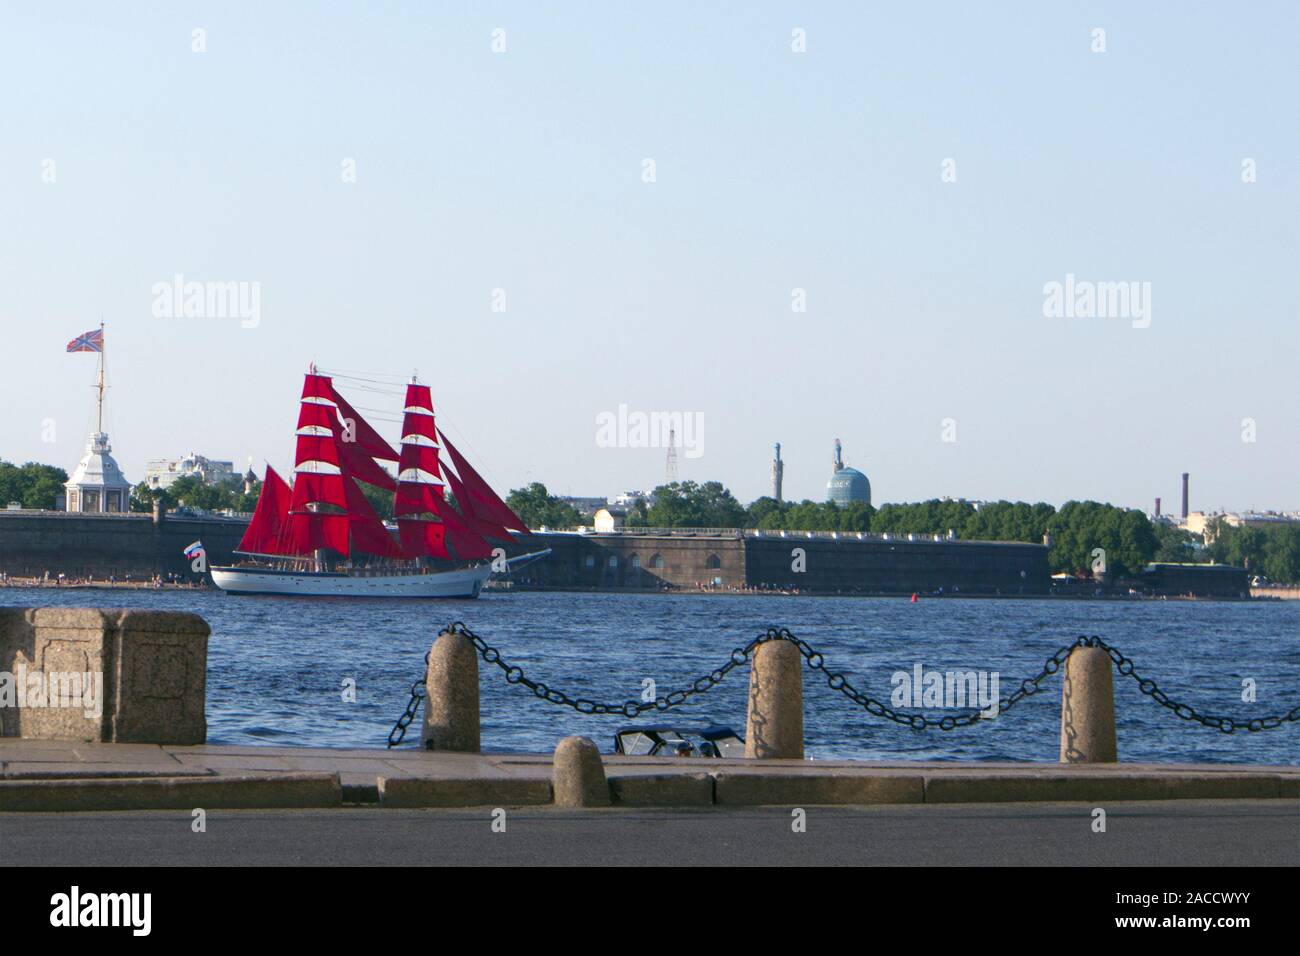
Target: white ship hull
<point>460,583</point>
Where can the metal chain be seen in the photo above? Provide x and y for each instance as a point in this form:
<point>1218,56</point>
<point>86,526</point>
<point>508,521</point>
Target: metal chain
<point>1185,711</point>
<point>398,733</point>
<point>836,681</point>
<point>629,708</point>
<point>742,655</point>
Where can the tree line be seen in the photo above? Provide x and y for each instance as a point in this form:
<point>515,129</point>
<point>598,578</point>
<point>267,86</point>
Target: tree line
<point>32,485</point>
<point>1128,539</point>
<point>191,491</point>
<point>1272,552</point>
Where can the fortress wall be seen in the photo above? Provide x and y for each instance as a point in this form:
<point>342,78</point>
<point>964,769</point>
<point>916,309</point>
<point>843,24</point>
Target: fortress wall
<point>102,546</point>
<point>584,561</point>
<point>848,564</point>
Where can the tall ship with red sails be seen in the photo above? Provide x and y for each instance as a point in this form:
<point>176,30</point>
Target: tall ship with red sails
<point>321,537</point>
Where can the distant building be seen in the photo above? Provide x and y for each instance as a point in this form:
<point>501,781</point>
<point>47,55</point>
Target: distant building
<point>97,484</point>
<point>778,472</point>
<point>1201,522</point>
<point>584,506</point>
<point>629,498</point>
<point>1201,580</point>
<point>164,472</point>
<point>846,485</point>
<point>607,519</point>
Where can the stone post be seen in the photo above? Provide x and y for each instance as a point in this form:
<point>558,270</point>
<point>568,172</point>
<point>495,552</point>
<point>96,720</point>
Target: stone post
<point>578,776</point>
<point>1087,708</point>
<point>451,714</point>
<point>108,675</point>
<point>774,726</point>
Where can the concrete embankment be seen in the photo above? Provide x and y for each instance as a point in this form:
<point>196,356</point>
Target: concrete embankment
<point>44,775</point>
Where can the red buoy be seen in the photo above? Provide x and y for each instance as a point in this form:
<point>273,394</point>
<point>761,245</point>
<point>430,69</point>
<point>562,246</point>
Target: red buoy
<point>913,597</point>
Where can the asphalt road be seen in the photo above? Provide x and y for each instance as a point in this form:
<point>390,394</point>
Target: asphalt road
<point>1184,833</point>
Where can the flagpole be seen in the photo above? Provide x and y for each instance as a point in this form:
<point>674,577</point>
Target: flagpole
<point>99,430</point>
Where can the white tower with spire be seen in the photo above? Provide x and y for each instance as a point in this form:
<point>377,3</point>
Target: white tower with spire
<point>98,485</point>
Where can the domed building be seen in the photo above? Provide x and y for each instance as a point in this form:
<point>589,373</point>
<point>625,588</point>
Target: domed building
<point>847,485</point>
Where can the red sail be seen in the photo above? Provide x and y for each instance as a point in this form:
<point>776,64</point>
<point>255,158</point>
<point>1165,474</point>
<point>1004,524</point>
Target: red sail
<point>313,530</point>
<point>355,443</point>
<point>467,545</point>
<point>362,467</point>
<point>418,399</point>
<point>362,434</point>
<point>312,488</point>
<point>472,521</point>
<point>416,499</point>
<point>480,500</point>
<point>269,517</point>
<point>418,458</point>
<point>420,425</point>
<point>316,419</point>
<point>424,538</point>
<point>368,532</point>
<point>318,387</point>
<point>320,448</point>
<point>420,490</point>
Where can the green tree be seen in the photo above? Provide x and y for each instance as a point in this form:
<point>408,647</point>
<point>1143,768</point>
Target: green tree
<point>638,514</point>
<point>686,504</point>
<point>539,508</point>
<point>1280,560</point>
<point>32,485</point>
<point>143,497</point>
<point>1273,551</point>
<point>1081,527</point>
<point>1174,544</point>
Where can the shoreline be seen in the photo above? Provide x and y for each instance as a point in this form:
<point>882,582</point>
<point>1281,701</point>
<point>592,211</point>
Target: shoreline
<point>38,584</point>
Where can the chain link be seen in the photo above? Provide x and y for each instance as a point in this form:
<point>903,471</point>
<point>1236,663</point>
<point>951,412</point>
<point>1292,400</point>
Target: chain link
<point>398,733</point>
<point>837,682</point>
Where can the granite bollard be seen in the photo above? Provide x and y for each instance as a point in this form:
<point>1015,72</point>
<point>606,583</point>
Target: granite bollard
<point>774,725</point>
<point>451,714</point>
<point>1088,708</point>
<point>578,774</point>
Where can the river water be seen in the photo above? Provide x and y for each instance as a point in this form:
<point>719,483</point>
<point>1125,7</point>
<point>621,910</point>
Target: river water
<point>276,666</point>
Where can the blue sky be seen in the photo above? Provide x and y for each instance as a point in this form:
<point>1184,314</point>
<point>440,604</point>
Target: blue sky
<point>774,171</point>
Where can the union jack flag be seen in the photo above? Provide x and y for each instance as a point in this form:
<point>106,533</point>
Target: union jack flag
<point>89,342</point>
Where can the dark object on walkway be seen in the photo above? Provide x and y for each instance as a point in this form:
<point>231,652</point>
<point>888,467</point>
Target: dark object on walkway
<point>663,740</point>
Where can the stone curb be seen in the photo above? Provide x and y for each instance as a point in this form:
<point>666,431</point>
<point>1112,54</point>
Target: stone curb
<point>797,789</point>
<point>414,792</point>
<point>1112,786</point>
<point>281,791</point>
<point>662,790</point>
<point>681,789</point>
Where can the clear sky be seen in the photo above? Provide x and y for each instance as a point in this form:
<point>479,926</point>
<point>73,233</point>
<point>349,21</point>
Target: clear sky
<point>774,170</point>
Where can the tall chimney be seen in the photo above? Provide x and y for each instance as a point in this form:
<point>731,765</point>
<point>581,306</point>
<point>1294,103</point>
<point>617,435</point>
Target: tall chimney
<point>778,471</point>
<point>1185,496</point>
<point>1157,507</point>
